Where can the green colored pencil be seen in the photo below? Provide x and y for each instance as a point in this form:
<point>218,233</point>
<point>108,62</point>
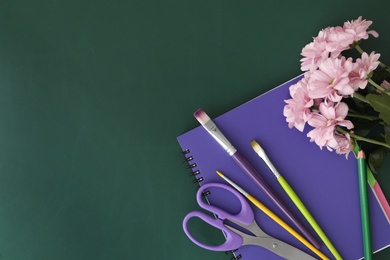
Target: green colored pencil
<point>364,208</point>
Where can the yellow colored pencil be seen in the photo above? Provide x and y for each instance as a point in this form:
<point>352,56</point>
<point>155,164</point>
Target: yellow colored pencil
<point>274,217</point>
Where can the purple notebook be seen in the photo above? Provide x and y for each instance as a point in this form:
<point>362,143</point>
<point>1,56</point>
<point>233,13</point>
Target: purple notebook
<point>326,182</point>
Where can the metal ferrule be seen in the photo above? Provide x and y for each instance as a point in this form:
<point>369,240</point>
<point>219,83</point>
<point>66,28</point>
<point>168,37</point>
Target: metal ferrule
<point>218,135</point>
<point>268,162</point>
<point>270,165</point>
<point>235,186</point>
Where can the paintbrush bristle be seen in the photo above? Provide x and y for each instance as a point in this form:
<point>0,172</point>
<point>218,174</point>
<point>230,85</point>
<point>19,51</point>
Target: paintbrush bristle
<point>256,146</point>
<point>201,116</point>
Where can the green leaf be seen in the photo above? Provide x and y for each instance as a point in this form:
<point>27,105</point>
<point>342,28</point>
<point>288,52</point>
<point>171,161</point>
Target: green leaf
<point>360,105</point>
<point>375,159</point>
<point>381,104</point>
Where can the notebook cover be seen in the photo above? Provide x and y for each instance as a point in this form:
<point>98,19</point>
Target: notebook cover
<point>325,181</point>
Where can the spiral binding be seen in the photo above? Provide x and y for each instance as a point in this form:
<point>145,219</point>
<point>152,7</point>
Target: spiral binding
<point>194,172</point>
<point>188,159</point>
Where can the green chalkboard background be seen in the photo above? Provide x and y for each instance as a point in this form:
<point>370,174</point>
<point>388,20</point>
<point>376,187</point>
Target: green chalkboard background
<point>94,93</point>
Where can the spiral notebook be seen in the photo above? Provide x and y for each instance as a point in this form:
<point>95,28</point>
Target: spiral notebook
<point>326,182</point>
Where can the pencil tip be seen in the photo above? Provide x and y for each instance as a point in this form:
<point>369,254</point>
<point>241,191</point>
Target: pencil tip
<point>220,174</point>
<point>361,155</point>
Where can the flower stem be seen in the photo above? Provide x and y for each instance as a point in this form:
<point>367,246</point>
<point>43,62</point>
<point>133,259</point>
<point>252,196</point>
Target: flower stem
<point>360,97</point>
<point>371,118</point>
<point>360,50</point>
<point>361,138</point>
<point>378,87</point>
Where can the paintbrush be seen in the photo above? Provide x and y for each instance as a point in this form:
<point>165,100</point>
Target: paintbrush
<point>213,130</point>
<point>294,197</point>
<point>273,216</point>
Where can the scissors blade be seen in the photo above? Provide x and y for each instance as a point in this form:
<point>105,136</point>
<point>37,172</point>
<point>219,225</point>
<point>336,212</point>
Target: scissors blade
<point>276,246</point>
<point>280,248</point>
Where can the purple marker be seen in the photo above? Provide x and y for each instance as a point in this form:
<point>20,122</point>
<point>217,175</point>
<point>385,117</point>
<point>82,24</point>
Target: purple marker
<point>213,130</point>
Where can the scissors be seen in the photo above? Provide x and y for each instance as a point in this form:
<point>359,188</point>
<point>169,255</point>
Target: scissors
<point>244,219</point>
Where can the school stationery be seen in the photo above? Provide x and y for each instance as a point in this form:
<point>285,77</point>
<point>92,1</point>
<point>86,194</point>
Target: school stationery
<point>273,216</point>
<point>294,197</point>
<point>364,207</point>
<point>378,193</point>
<point>248,169</point>
<point>326,182</point>
<point>243,219</point>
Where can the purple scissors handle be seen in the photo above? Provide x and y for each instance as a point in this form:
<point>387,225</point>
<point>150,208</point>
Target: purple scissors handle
<point>233,240</point>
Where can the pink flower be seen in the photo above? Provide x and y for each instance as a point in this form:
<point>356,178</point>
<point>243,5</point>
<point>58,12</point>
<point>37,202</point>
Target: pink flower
<point>385,84</point>
<point>297,110</point>
<point>363,69</point>
<point>358,28</point>
<point>320,136</point>
<point>343,144</point>
<point>330,42</point>
<point>331,80</point>
<point>325,123</point>
<point>338,41</point>
<point>313,54</point>
<point>367,64</point>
